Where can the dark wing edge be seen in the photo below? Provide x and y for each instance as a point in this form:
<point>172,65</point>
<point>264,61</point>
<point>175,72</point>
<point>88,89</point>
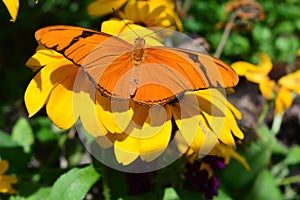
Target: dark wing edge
<point>74,43</point>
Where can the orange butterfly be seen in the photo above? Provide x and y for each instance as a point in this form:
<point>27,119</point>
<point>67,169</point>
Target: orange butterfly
<point>147,74</point>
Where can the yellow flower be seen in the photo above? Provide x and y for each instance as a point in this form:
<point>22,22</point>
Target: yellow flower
<point>12,7</point>
<point>117,27</point>
<point>283,100</point>
<point>104,7</point>
<point>148,134</point>
<point>54,81</point>
<point>254,73</point>
<point>291,81</point>
<point>257,74</point>
<point>151,13</point>
<point>286,86</point>
<point>223,149</point>
<point>203,117</point>
<point>281,90</point>
<point>5,180</point>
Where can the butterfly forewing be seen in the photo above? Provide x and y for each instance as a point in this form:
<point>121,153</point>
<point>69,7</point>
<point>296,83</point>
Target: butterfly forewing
<point>74,43</point>
<point>162,74</point>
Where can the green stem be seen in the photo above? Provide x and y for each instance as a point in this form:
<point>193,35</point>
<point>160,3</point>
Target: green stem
<point>290,180</point>
<point>225,35</point>
<point>106,191</point>
<point>276,123</point>
<point>263,114</point>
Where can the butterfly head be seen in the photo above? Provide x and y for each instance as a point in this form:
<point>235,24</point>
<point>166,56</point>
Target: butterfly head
<point>138,51</point>
<point>139,42</point>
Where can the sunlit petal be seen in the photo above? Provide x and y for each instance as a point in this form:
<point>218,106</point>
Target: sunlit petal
<point>149,141</point>
<point>291,81</point>
<point>266,88</point>
<point>85,106</point>
<point>12,7</point>
<point>59,104</point>
<point>283,100</point>
<point>40,86</point>
<point>43,57</point>
<point>104,7</point>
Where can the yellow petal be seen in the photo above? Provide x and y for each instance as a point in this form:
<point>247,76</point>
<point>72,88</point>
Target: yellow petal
<point>266,88</point>
<point>104,7</point>
<point>252,72</point>
<point>4,187</point>
<point>3,166</point>
<point>60,103</point>
<point>119,29</point>
<point>234,110</point>
<point>40,86</point>
<point>43,57</point>
<point>152,13</point>
<point>291,81</point>
<point>115,115</point>
<point>9,179</point>
<point>207,167</point>
<point>149,141</point>
<point>12,7</point>
<point>242,68</point>
<point>186,116</point>
<point>204,140</point>
<point>283,100</point>
<point>227,153</point>
<point>85,106</point>
<point>265,63</point>
<point>132,11</point>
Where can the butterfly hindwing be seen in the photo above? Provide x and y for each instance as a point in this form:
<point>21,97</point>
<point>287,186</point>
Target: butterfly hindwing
<point>168,72</point>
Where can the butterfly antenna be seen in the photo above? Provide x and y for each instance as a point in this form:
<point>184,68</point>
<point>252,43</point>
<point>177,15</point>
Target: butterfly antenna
<point>160,30</point>
<point>120,18</point>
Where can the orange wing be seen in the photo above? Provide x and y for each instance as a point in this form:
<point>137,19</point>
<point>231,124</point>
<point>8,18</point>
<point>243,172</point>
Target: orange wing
<point>164,74</point>
<point>168,72</point>
<point>75,43</point>
<point>105,58</point>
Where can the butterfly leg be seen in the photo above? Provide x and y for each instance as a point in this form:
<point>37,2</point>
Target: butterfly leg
<point>133,81</point>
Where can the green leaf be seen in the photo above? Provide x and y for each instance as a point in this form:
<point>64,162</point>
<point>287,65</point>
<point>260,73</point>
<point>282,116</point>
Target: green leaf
<point>6,140</point>
<point>41,194</point>
<point>236,45</point>
<point>261,33</point>
<point>170,194</point>
<point>22,134</point>
<point>293,157</point>
<point>284,27</point>
<point>257,154</point>
<point>190,194</point>
<point>42,129</point>
<point>74,184</point>
<point>264,187</point>
<point>222,195</point>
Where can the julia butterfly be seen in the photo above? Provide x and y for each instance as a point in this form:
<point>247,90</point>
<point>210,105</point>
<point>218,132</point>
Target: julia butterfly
<point>146,74</point>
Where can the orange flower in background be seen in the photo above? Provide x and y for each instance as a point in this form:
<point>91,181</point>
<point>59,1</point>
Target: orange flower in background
<point>246,9</point>
<point>6,181</point>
